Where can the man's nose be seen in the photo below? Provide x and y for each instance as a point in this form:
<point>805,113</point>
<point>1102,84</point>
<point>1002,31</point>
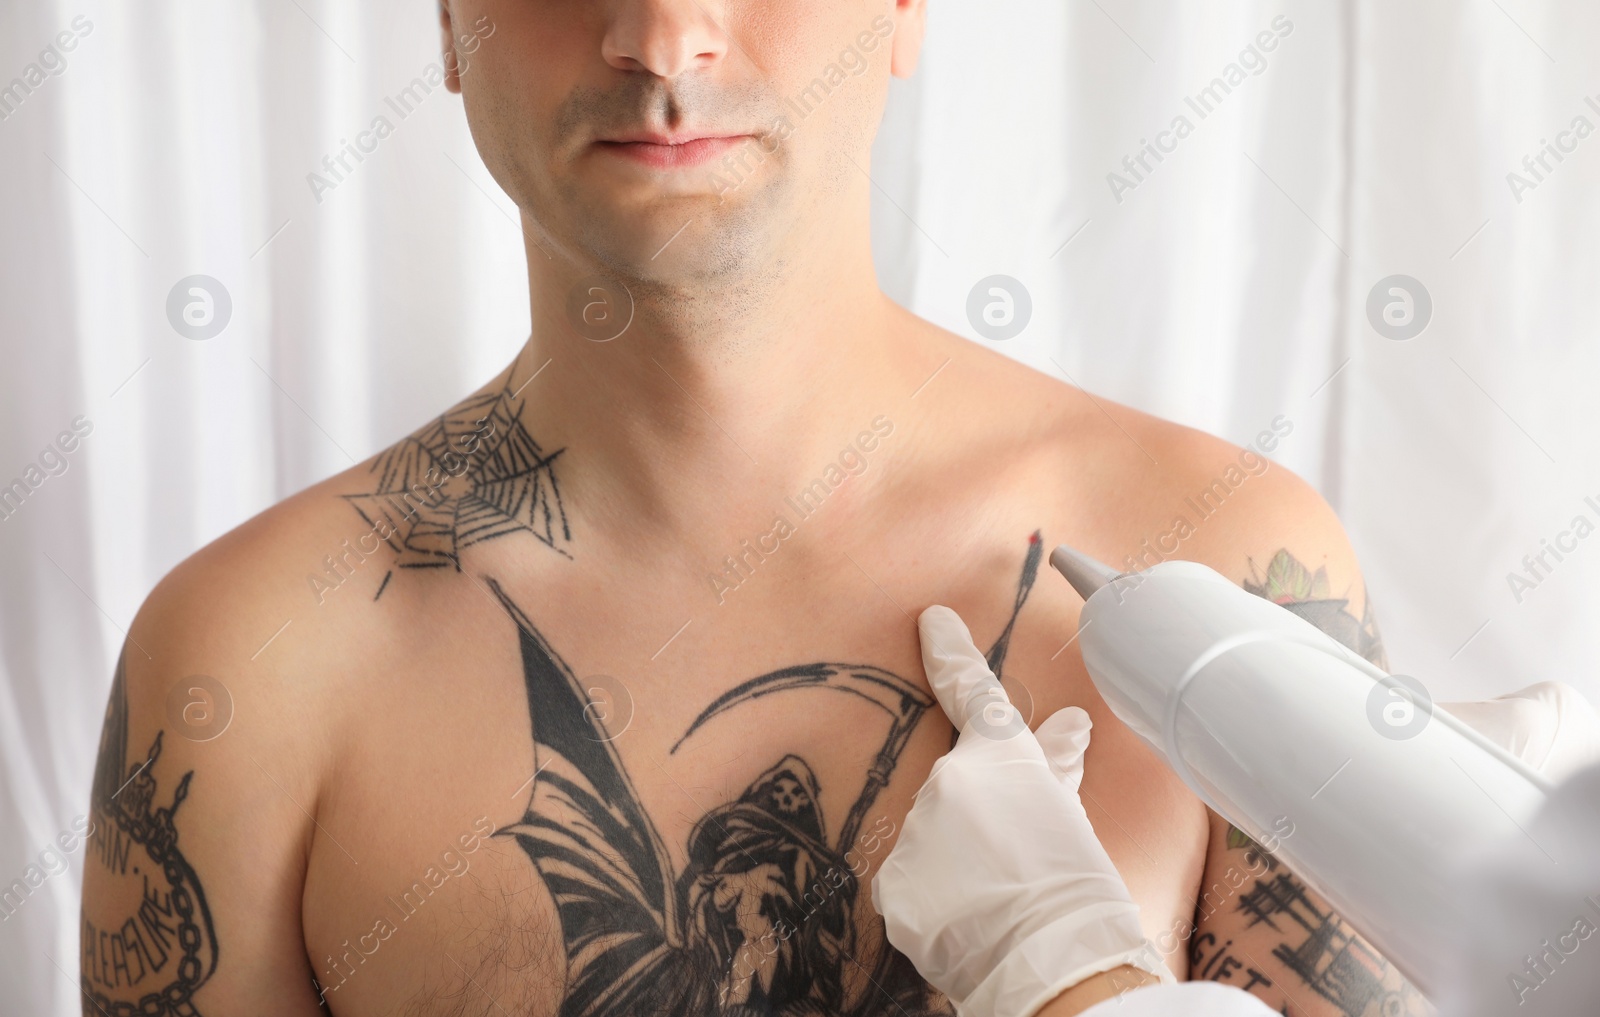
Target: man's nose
<point>665,37</point>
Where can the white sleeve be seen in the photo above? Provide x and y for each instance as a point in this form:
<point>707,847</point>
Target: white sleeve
<point>1187,999</point>
<point>1539,894</point>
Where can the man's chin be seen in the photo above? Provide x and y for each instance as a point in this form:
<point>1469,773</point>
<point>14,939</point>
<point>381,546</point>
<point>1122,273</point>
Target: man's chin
<point>680,240</point>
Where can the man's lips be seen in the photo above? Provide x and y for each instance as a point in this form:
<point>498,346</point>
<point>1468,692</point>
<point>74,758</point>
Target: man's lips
<point>666,153</point>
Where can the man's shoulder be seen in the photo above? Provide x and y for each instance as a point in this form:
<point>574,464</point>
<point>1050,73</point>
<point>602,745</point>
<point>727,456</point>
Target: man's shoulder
<point>1133,477</point>
<point>289,592</point>
<point>1161,490</point>
<point>1067,419</point>
<point>227,604</point>
<point>335,541</point>
<point>1168,463</point>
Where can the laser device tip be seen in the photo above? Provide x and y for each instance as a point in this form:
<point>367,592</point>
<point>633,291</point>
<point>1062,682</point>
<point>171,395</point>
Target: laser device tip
<point>1084,573</point>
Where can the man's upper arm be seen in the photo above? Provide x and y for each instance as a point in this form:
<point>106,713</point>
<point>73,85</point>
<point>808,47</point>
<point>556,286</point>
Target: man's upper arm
<point>195,863</point>
<point>1257,925</point>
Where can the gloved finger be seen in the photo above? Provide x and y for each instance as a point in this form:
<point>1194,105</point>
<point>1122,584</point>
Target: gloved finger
<point>1064,737</point>
<point>972,697</point>
<point>1549,725</point>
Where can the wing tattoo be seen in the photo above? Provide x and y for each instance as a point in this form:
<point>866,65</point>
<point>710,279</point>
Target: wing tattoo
<point>761,920</point>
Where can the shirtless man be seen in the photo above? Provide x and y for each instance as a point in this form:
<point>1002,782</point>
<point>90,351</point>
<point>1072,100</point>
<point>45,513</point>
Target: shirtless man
<point>601,693</point>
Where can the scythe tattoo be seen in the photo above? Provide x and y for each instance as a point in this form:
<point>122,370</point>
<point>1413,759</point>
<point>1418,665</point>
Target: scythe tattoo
<point>761,869</point>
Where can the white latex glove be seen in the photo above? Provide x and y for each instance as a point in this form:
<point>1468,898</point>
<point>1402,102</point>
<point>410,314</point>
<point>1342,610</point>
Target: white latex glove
<point>998,889</point>
<point>1550,726</point>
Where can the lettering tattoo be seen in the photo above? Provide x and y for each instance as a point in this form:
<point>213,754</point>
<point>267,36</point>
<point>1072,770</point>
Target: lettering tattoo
<point>1213,962</point>
<point>472,475</point>
<point>762,919</point>
<point>150,938</point>
<point>1324,952</point>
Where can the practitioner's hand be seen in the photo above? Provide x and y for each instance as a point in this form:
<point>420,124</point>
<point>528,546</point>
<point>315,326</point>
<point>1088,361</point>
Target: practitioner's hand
<point>1549,726</point>
<point>998,889</point>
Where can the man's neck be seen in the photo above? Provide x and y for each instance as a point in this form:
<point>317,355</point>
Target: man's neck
<point>718,395</point>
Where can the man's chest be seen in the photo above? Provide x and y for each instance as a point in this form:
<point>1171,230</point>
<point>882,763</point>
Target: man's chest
<point>695,838</point>
<point>553,832</point>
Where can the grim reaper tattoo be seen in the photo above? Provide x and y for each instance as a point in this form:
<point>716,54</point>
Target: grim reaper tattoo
<point>761,920</point>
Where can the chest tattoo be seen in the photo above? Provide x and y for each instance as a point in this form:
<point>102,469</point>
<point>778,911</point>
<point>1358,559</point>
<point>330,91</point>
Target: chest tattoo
<point>762,918</point>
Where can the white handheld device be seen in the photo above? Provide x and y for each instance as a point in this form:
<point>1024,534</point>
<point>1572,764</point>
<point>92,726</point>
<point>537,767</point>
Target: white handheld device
<point>1342,771</point>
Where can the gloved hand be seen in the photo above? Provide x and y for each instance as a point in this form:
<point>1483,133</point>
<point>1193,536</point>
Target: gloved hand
<point>998,889</point>
<point>1550,726</point>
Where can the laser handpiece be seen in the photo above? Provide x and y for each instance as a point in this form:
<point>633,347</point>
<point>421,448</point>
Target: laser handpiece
<point>1278,727</point>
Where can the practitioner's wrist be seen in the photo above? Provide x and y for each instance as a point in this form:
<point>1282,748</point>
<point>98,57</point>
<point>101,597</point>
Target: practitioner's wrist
<point>1097,989</point>
<point>1078,947</point>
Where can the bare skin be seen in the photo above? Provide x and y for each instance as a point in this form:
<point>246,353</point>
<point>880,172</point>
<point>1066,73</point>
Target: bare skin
<point>418,800</point>
<point>1098,989</point>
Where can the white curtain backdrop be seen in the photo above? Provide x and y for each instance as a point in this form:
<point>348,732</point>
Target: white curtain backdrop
<point>1227,285</point>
